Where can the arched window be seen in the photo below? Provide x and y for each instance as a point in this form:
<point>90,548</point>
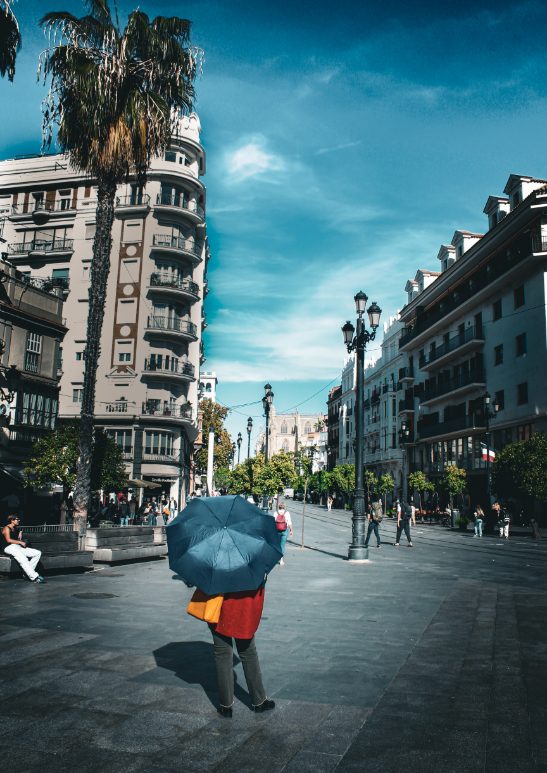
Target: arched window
<point>208,388</point>
<point>285,445</point>
<point>284,428</point>
<point>307,428</point>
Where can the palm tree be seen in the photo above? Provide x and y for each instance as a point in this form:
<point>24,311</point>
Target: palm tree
<point>113,94</point>
<point>10,39</point>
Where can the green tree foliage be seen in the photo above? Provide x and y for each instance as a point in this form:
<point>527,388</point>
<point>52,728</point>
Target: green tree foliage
<point>520,470</point>
<point>386,484</point>
<point>343,479</point>
<point>418,482</point>
<point>277,474</point>
<point>112,95</point>
<point>10,39</point>
<point>213,416</point>
<point>371,484</point>
<point>453,482</point>
<point>54,461</point>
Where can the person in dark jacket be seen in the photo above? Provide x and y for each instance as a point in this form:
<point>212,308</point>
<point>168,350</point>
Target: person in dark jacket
<point>403,522</point>
<point>239,619</point>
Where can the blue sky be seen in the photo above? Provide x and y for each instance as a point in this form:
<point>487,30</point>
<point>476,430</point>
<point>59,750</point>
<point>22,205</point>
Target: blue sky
<point>344,144</point>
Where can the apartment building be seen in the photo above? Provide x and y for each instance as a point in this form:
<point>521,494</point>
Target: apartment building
<point>479,326</point>
<point>333,426</point>
<point>151,344</point>
<point>346,417</point>
<point>382,385</point>
<point>31,334</point>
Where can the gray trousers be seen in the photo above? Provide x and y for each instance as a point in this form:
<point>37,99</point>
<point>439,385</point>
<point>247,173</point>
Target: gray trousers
<point>224,662</point>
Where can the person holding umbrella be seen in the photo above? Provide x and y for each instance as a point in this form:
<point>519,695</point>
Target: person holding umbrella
<point>226,546</point>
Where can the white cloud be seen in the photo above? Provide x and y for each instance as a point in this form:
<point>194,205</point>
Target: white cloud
<point>252,160</point>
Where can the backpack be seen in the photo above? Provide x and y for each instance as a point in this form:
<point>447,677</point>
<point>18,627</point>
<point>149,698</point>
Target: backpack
<point>407,511</point>
<point>280,522</point>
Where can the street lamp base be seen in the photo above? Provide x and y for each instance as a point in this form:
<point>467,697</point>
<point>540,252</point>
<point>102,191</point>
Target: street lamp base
<point>357,553</point>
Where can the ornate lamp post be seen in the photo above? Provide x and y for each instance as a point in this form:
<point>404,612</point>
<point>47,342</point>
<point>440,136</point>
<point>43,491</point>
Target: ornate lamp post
<point>249,430</point>
<point>267,401</point>
<point>357,550</point>
<point>233,456</point>
<point>490,411</point>
<point>239,442</point>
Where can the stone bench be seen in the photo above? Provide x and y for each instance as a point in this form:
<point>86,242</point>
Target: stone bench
<point>121,544</point>
<point>59,553</point>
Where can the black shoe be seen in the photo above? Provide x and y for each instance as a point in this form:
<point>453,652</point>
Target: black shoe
<point>225,711</point>
<point>38,579</point>
<point>264,706</point>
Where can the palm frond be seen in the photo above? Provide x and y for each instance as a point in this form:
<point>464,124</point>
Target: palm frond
<point>10,40</point>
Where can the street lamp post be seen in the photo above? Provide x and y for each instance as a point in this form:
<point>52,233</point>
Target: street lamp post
<point>239,442</point>
<point>233,456</point>
<point>357,550</point>
<point>249,430</point>
<point>267,401</point>
<point>404,439</point>
<point>490,412</point>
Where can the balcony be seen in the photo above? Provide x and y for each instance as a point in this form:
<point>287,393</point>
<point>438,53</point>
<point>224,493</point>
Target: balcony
<point>470,339</point>
<point>183,371</point>
<point>174,286</point>
<point>406,405</point>
<point>167,411</point>
<point>172,328</point>
<point>465,382</point>
<point>134,204</point>
<point>41,248</point>
<point>375,397</point>
<point>163,457</point>
<point>386,388</point>
<point>176,204</point>
<point>406,374</point>
<point>427,430</point>
<point>120,406</point>
<point>176,246</point>
<point>41,211</point>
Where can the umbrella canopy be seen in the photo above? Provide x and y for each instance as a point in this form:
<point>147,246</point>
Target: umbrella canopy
<point>223,544</point>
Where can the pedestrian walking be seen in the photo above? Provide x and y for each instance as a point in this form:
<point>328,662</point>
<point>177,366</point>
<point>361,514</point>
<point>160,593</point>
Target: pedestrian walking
<point>375,517</point>
<point>413,514</point>
<point>124,512</point>
<point>504,523</point>
<point>403,523</point>
<point>329,503</point>
<point>479,520</point>
<point>15,546</point>
<point>283,524</point>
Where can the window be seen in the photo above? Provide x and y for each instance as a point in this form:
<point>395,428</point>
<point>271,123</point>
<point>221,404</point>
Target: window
<point>284,428</point>
<point>122,437</point>
<point>90,231</point>
<point>518,296</point>
<point>77,395</point>
<point>499,398</point>
<point>59,278</point>
<point>158,443</point>
<point>496,310</point>
<point>307,428</point>
<point>64,199</point>
<point>524,432</point>
<point>498,354</point>
<point>522,393</point>
<point>33,351</point>
<point>520,345</point>
<point>37,410</point>
<point>124,357</point>
<point>79,356</point>
<point>170,155</point>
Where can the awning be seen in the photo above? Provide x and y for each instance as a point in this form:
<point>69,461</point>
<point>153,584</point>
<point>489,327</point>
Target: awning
<point>143,483</point>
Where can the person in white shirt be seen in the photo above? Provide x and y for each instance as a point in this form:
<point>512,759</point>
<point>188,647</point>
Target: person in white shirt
<point>283,519</point>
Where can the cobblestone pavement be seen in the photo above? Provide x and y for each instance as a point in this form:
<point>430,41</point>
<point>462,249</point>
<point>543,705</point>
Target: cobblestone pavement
<point>425,659</point>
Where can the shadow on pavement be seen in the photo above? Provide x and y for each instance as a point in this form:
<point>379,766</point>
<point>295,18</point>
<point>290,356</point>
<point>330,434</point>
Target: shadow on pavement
<point>194,663</point>
<point>318,550</point>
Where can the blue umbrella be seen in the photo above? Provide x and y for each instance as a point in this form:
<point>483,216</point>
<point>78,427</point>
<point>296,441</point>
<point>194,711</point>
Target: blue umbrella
<point>223,544</point>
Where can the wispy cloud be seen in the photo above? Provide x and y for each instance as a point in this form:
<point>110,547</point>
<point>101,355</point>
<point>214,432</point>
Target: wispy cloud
<point>252,159</point>
<point>334,148</point>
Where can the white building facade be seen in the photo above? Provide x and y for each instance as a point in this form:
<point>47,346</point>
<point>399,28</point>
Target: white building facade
<point>147,392</point>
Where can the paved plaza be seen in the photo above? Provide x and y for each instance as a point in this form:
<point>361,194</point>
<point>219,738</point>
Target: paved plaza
<point>429,659</point>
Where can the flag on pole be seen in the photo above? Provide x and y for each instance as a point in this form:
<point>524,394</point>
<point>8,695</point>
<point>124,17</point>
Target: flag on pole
<point>487,453</point>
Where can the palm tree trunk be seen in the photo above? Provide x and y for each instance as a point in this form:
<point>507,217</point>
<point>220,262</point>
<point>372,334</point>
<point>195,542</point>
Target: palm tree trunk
<point>100,267</point>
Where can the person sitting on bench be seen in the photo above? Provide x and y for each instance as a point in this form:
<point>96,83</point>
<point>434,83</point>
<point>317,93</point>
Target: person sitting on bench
<point>16,547</point>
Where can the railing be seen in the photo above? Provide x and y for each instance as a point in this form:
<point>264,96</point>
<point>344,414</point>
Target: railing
<point>426,429</point>
<point>48,528</point>
<point>406,404</point>
<point>189,205</point>
<point>406,372</point>
<point>175,411</point>
<point>63,205</point>
<point>47,284</point>
<point>450,385</point>
<point>374,398</point>
<point>140,200</point>
<point>159,280</point>
<point>473,333</point>
<point>539,243</point>
<point>56,245</point>
<point>177,243</point>
<point>177,369</point>
<point>120,406</point>
<point>159,456</point>
<point>172,325</point>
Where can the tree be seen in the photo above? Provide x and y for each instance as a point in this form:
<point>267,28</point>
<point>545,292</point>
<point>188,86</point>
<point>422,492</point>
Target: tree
<point>10,39</point>
<point>385,485</point>
<point>418,482</point>
<point>521,469</point>
<point>212,419</point>
<point>453,482</point>
<point>112,94</point>
<point>343,479</point>
<point>54,461</point>
<point>371,484</point>
<point>274,476</point>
